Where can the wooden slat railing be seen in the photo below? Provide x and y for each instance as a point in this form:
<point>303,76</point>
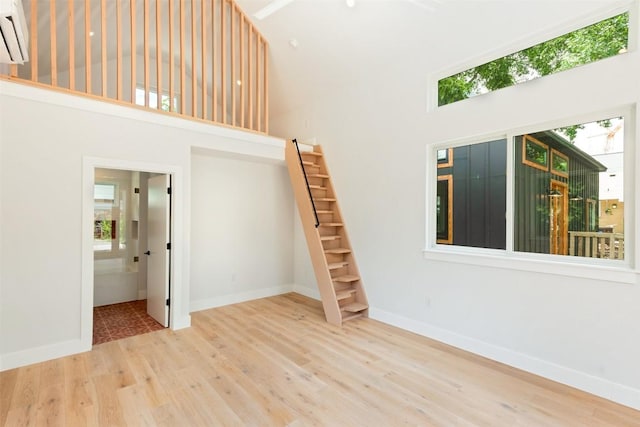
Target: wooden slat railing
<point>200,59</point>
<point>596,244</point>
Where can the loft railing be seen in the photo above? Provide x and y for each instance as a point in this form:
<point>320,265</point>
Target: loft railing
<point>596,244</point>
<point>200,59</point>
<point>306,180</point>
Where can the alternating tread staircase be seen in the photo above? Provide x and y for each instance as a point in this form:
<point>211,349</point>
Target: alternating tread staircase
<point>339,283</point>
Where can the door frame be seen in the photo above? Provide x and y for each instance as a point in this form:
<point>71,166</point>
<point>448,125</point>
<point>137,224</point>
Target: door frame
<point>178,292</point>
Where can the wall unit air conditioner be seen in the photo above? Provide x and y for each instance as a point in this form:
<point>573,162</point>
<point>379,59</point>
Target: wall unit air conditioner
<point>14,35</point>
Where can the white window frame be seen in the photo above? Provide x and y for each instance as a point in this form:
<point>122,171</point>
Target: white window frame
<point>526,42</point>
<point>154,90</point>
<point>624,271</point>
<point>114,252</point>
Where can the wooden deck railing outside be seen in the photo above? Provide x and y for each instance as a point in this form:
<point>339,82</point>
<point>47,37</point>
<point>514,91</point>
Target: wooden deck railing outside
<point>200,59</point>
<point>596,244</point>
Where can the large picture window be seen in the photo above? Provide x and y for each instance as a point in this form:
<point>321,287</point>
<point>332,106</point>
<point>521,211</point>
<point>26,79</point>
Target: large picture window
<point>567,194</point>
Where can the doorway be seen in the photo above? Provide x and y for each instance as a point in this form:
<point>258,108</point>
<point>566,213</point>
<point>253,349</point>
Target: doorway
<point>558,217</point>
<point>131,238</point>
<point>179,273</point>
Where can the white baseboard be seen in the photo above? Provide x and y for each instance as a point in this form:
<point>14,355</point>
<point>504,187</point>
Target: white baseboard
<point>205,304</point>
<point>307,292</point>
<point>619,393</point>
<point>41,354</point>
<point>67,348</point>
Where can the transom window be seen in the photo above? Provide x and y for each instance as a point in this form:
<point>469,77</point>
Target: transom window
<point>601,40</point>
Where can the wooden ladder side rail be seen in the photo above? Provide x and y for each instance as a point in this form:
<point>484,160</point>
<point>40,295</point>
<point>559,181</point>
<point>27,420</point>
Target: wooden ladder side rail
<point>316,250</point>
<point>360,294</point>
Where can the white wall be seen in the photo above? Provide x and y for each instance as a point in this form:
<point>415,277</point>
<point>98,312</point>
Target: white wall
<point>242,217</point>
<point>376,134</point>
<point>45,138</point>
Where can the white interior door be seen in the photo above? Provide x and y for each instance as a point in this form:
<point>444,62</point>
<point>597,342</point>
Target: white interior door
<point>158,254</point>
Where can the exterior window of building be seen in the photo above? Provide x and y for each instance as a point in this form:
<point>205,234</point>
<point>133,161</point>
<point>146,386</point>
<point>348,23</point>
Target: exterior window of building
<point>601,40</point>
<point>568,192</point>
<point>107,221</point>
<point>153,100</point>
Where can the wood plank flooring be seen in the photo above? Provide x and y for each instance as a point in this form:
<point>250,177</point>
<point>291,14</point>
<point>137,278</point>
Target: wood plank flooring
<point>276,362</point>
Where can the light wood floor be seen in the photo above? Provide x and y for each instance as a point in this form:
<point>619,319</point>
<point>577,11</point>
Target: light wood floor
<point>275,362</point>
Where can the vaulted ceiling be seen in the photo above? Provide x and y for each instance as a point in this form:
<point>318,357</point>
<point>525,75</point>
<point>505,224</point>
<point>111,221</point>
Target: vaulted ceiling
<point>338,45</point>
<point>318,46</point>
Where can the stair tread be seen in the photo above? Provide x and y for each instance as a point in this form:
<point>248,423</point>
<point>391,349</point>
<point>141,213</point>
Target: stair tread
<point>334,265</point>
<point>317,187</point>
<point>331,224</point>
<point>323,212</point>
<point>324,199</point>
<point>308,163</point>
<point>333,237</point>
<point>351,316</point>
<point>337,251</point>
<point>354,307</point>
<point>311,153</point>
<point>346,278</point>
<point>317,175</point>
<point>344,294</point>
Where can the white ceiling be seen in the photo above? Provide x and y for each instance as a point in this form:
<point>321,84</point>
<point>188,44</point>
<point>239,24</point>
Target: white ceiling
<point>338,45</point>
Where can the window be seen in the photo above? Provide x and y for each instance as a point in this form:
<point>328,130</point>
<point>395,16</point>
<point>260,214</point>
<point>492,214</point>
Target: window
<point>153,100</point>
<point>559,163</point>
<point>116,220</point>
<point>589,44</point>
<point>105,217</point>
<point>535,153</point>
<point>567,192</point>
<point>445,158</point>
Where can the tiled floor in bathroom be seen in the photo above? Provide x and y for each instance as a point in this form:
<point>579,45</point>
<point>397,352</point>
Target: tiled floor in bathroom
<point>112,322</point>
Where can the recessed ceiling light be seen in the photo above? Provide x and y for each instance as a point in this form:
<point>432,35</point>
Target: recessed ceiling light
<point>239,82</point>
<point>293,43</point>
<point>91,34</point>
<point>350,3</point>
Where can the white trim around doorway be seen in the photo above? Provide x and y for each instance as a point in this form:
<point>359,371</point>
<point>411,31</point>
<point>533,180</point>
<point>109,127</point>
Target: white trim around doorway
<point>179,317</point>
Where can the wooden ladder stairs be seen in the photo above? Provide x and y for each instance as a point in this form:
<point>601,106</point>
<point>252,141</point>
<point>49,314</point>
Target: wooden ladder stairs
<point>343,296</point>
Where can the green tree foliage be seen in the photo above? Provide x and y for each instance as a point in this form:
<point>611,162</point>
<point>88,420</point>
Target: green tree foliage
<point>105,230</point>
<point>598,41</point>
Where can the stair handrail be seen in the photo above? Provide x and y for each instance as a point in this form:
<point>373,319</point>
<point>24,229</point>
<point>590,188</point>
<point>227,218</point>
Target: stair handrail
<point>306,180</point>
